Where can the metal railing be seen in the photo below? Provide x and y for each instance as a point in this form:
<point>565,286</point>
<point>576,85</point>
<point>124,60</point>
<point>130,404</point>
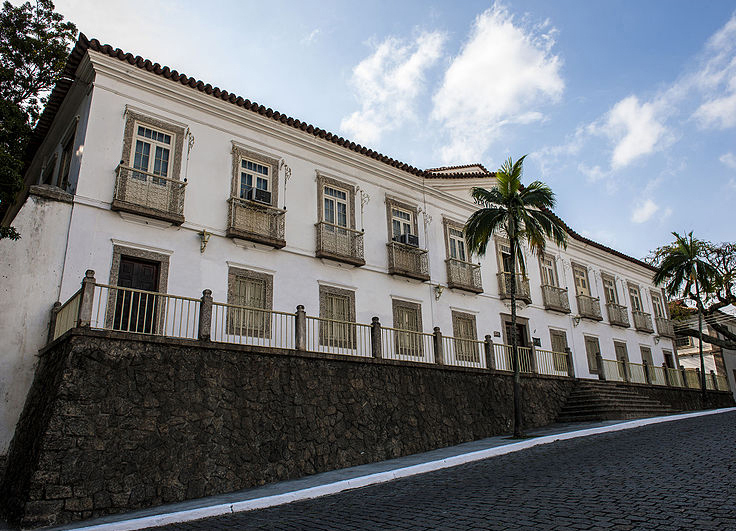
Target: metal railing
<point>334,241</point>
<point>657,375</point>
<point>722,381</point>
<point>256,221</point>
<point>642,321</point>
<point>463,352</point>
<point>522,285</point>
<point>555,298</point>
<point>617,314</point>
<point>149,190</point>
<point>709,383</point>
<point>691,379</point>
<point>144,312</point>
<point>665,327</point>
<point>637,373</point>
<point>407,345</point>
<point>551,363</point>
<point>407,260</point>
<point>504,361</point>
<point>243,325</point>
<point>338,337</point>
<point>589,307</point>
<point>464,275</point>
<point>67,315</point>
<point>674,377</point>
<point>613,370</point>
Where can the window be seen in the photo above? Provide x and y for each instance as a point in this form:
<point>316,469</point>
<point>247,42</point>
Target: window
<point>48,173</point>
<point>255,178</point>
<point>646,355</point>
<point>250,293</point>
<point>582,287</point>
<point>335,206</point>
<point>253,175</point>
<point>683,341</point>
<point>337,308</point>
<point>549,272</point>
<point>152,153</point>
<point>407,316</point>
<point>669,359</point>
<point>657,306</point>
<point>464,330</point>
<point>591,349</point>
<point>635,298</point>
<point>457,244</point>
<point>67,151</point>
<point>401,222</point>
<point>559,344</point>
<point>609,289</point>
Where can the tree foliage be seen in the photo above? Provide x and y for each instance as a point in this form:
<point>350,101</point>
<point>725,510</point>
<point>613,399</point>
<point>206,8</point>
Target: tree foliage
<point>34,41</point>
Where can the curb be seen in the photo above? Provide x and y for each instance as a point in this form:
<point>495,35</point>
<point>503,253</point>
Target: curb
<point>373,479</point>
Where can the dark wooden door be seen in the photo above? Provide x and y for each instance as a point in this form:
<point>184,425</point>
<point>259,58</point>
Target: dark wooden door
<point>136,311</point>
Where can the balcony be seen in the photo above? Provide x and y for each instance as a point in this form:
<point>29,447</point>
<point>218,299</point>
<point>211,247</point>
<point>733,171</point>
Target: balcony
<point>339,243</point>
<point>643,321</point>
<point>555,299</point>
<point>522,286</point>
<point>589,307</point>
<point>664,327</point>
<point>256,222</point>
<point>150,195</point>
<point>463,275</point>
<point>618,315</point>
<point>408,261</point>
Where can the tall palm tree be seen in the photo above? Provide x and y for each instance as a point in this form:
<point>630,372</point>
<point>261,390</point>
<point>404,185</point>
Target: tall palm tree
<point>682,267</point>
<point>523,214</point>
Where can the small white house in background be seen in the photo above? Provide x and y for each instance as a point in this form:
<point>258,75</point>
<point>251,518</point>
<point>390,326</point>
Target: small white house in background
<point>163,183</point>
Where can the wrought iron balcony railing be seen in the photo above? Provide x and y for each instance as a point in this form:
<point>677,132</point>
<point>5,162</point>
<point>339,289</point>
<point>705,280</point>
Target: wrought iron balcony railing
<point>522,286</point>
<point>665,327</point>
<point>408,261</point>
<point>589,307</point>
<point>617,314</point>
<point>256,222</point>
<point>555,298</point>
<point>643,321</point>
<point>339,243</point>
<point>463,275</point>
<point>148,194</point>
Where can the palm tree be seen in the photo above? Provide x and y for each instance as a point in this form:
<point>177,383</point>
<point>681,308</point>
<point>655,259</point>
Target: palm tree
<point>523,214</point>
<point>682,266</point>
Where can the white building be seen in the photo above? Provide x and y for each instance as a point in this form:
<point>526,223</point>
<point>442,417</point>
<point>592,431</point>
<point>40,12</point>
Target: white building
<point>161,182</point>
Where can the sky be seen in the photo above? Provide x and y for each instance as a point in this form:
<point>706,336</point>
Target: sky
<point>627,110</point>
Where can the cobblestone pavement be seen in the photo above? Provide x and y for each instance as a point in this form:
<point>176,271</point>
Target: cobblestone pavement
<point>668,476</point>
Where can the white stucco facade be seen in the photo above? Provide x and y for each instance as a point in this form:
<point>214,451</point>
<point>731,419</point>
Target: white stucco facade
<point>61,241</point>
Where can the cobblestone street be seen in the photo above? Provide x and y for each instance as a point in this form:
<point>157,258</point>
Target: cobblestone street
<point>668,476</point>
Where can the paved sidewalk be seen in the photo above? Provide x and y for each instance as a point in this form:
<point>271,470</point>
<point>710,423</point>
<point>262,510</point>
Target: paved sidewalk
<point>370,474</point>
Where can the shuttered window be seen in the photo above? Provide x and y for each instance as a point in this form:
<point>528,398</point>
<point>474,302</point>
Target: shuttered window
<point>549,275</point>
<point>247,295</point>
<point>581,280</point>
<point>591,349</point>
<point>646,355</point>
<point>609,288</point>
<point>464,330</point>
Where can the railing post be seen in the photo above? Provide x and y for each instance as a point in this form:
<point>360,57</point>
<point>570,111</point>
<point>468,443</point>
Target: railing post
<point>601,368</point>
<point>701,380</point>
<point>438,355</point>
<point>647,373</point>
<point>84,317</point>
<point>715,380</point>
<point>205,315</point>
<point>683,375</point>
<point>52,322</point>
<point>488,347</point>
<point>667,381</point>
<point>533,360</point>
<point>300,329</point>
<point>570,365</point>
<point>376,338</point>
<point>625,365</point>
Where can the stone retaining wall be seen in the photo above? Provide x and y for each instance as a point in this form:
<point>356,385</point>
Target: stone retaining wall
<point>114,424</point>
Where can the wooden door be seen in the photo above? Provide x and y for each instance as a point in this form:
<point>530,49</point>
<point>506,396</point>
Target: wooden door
<point>136,311</point>
<point>591,349</point>
<point>622,354</point>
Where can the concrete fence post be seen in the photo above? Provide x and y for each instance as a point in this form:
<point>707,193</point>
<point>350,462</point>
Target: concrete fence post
<point>701,379</point>
<point>84,317</point>
<point>300,329</point>
<point>625,365</point>
<point>683,375</point>
<point>714,380</point>
<point>205,316</point>
<point>533,360</point>
<point>647,372</point>
<point>570,364</point>
<point>376,338</point>
<point>601,369</point>
<point>667,381</point>
<point>439,358</point>
<point>488,347</point>
<point>52,322</point>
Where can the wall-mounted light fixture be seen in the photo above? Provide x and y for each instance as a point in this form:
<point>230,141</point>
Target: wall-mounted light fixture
<point>438,289</point>
<point>204,237</point>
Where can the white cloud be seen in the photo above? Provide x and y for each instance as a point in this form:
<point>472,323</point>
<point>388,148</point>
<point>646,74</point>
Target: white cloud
<point>502,73</point>
<point>719,113</point>
<point>729,159</point>
<point>309,39</point>
<point>593,173</point>
<point>644,211</point>
<point>635,128</point>
<point>387,83</point>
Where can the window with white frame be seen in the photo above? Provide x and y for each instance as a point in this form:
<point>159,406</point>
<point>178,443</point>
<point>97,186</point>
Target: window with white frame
<point>504,253</point>
<point>152,153</point>
<point>657,307</point>
<point>254,176</point>
<point>635,298</point>
<point>67,151</point>
<point>582,287</point>
<point>549,271</point>
<point>402,222</point>
<point>457,244</point>
<point>335,207</point>
<point>609,289</point>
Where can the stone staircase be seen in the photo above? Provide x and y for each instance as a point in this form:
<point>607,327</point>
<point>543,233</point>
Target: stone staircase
<point>595,400</point>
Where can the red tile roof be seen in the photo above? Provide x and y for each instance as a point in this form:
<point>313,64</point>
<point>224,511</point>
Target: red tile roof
<point>83,44</point>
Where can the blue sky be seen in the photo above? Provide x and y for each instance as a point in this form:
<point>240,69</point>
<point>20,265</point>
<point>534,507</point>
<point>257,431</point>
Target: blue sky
<point>626,109</point>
